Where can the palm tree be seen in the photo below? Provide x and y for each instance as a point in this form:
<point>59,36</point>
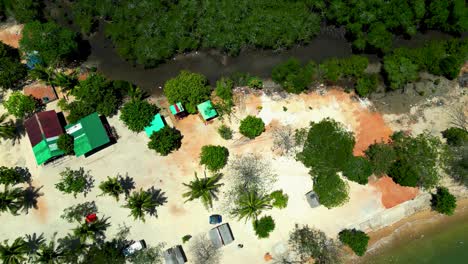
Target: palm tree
<point>94,230</point>
<point>49,253</point>
<point>250,205</point>
<point>14,253</point>
<point>139,203</point>
<point>11,200</point>
<point>205,189</point>
<point>112,187</point>
<point>7,128</point>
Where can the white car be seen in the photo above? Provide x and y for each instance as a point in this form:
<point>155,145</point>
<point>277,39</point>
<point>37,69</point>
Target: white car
<point>132,248</point>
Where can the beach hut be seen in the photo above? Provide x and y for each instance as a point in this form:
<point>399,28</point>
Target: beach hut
<point>177,110</point>
<point>221,235</point>
<point>43,131</point>
<point>89,134</point>
<point>207,111</point>
<point>156,124</point>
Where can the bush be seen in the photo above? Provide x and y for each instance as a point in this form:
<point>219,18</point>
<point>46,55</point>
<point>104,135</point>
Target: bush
<point>165,140</point>
<point>224,88</point>
<point>443,201</point>
<point>225,132</point>
<point>75,182</point>
<point>255,83</point>
<point>280,199</point>
<point>331,189</point>
<point>403,173</point>
<point>138,114</point>
<point>399,70</point>
<point>450,67</point>
<point>381,156</point>
<point>251,127</point>
<point>455,136</point>
<point>65,142</point>
<point>293,77</point>
<point>357,240</point>
<point>188,88</point>
<point>366,84</point>
<point>186,238</point>
<point>358,169</point>
<point>20,105</point>
<point>214,157</point>
<point>264,226</point>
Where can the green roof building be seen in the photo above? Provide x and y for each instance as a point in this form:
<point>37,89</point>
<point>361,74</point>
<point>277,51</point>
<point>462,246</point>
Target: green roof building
<point>156,125</point>
<point>46,149</point>
<point>207,110</point>
<point>89,134</point>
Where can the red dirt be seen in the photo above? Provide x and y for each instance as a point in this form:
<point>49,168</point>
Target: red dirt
<point>40,91</point>
<point>42,211</point>
<point>393,194</point>
<point>371,128</point>
<point>10,37</point>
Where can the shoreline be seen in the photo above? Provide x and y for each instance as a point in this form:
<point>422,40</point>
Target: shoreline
<point>409,229</point>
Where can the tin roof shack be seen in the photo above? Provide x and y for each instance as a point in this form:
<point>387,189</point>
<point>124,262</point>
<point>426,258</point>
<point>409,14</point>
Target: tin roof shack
<point>221,235</point>
<point>312,199</point>
<point>177,110</point>
<point>207,111</point>
<point>89,134</point>
<point>156,124</point>
<point>43,130</point>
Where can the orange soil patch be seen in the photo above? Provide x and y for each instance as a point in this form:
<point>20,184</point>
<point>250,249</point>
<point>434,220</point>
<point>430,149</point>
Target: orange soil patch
<point>175,210</point>
<point>39,91</point>
<point>393,194</point>
<point>371,128</point>
<point>11,35</point>
<point>42,211</point>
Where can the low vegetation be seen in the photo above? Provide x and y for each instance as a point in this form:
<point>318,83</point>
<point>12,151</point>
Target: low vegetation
<point>443,201</point>
<point>214,157</point>
<point>225,132</point>
<point>251,127</point>
<point>292,76</point>
<point>264,226</point>
<point>357,240</point>
<point>279,199</point>
<point>165,140</point>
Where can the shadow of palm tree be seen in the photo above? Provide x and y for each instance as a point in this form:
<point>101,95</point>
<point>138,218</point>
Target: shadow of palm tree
<point>34,242</point>
<point>158,197</point>
<point>25,174</point>
<point>20,131</point>
<point>30,196</point>
<point>127,183</point>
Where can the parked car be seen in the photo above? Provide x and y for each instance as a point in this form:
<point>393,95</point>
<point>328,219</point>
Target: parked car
<point>175,255</point>
<point>134,247</point>
<point>215,219</point>
<point>312,199</point>
<point>221,235</point>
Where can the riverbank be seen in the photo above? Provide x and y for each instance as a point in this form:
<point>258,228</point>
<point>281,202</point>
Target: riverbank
<point>392,244</point>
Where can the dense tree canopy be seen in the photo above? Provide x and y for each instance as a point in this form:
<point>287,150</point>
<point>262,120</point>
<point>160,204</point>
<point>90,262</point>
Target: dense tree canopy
<point>443,201</point>
<point>292,76</point>
<point>188,88</point>
<point>381,156</point>
<point>357,240</point>
<point>455,136</point>
<point>11,68</point>
<point>214,157</point>
<point>264,226</point>
<point>20,105</point>
<point>137,114</point>
<point>23,11</point>
<point>165,140</point>
<point>65,142</point>
<point>54,43</point>
<point>358,169</point>
<point>331,189</point>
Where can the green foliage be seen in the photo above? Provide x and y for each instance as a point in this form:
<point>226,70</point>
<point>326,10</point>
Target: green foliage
<point>214,157</point>
<point>153,254</point>
<point>450,67</point>
<point>14,253</point>
<point>24,11</point>
<point>264,226</point>
<point>403,173</point>
<point>54,43</point>
<point>293,77</point>
<point>188,88</point>
<point>379,37</point>
<point>20,105</point>
<point>251,127</point>
<point>457,164</point>
<point>11,200</point>
<point>186,238</point>
<point>65,142</point>
<point>7,127</point>
<point>224,88</point>
<point>78,212</point>
<point>250,205</point>
<point>112,186</point>
<point>13,176</point>
<point>11,68</point>
<point>334,70</point>
<point>280,199</point>
<point>455,136</point>
<point>205,189</point>
<point>75,182</point>
<point>366,84</point>
<point>331,189</point>
<point>94,231</point>
<point>328,147</point>
<point>78,110</point>
<point>140,203</point>
<point>86,13</point>
<point>137,114</point>
<point>399,71</point>
<point>357,240</point>
<point>255,83</point>
<point>358,169</point>
<point>225,132</point>
<point>165,140</point>
<point>381,156</point>
<point>443,201</point>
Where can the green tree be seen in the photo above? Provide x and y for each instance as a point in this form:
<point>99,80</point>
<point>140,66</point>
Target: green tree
<point>331,189</point>
<point>450,67</point>
<point>138,114</point>
<point>381,156</point>
<point>188,88</point>
<point>78,212</point>
<point>225,132</point>
<point>443,201</point>
<point>11,68</point>
<point>357,240</point>
<point>112,187</point>
<point>224,88</point>
<point>214,157</point>
<point>53,43</point>
<point>49,253</point>
<point>11,200</point>
<point>7,127</point>
<point>255,83</point>
<point>13,176</point>
<point>358,169</point>
<point>140,202</point>
<point>75,181</point>
<point>292,76</point>
<point>66,142</point>
<point>250,205</point>
<point>399,71</point>
<point>330,69</point>
<point>379,37</point>
<point>24,11</point>
<point>205,189</point>
<point>457,164</point>
<point>366,84</point>
<point>264,226</point>
<point>20,105</point>
<point>165,140</point>
<point>14,253</point>
<point>455,136</point>
<point>251,127</point>
<point>152,255</point>
<point>280,199</point>
<point>94,231</point>
<point>403,173</point>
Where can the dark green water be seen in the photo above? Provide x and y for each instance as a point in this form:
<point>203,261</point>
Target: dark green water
<point>446,243</point>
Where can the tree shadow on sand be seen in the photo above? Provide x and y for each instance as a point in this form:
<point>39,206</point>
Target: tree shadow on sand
<point>30,196</point>
<point>159,197</point>
<point>127,183</point>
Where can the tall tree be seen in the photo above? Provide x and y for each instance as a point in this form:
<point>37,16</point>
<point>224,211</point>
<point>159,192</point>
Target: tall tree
<point>7,127</point>
<point>14,253</point>
<point>94,231</point>
<point>20,105</point>
<point>250,205</point>
<point>140,202</point>
<point>49,253</point>
<point>11,200</point>
<point>205,189</point>
<point>112,186</point>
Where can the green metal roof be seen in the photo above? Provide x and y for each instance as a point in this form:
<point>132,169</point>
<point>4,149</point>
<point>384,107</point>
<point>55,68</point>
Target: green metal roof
<point>155,125</point>
<point>207,110</point>
<point>46,149</point>
<point>174,109</point>
<point>89,134</point>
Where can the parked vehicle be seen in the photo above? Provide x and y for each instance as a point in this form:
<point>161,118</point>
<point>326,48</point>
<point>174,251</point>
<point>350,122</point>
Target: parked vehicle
<point>221,235</point>
<point>134,247</point>
<point>215,219</point>
<point>175,255</point>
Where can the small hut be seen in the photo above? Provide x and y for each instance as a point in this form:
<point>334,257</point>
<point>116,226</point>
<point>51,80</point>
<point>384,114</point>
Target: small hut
<point>156,124</point>
<point>207,111</point>
<point>312,199</point>
<point>177,110</point>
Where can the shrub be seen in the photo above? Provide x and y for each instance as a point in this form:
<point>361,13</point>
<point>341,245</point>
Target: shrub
<point>455,136</point>
<point>280,199</point>
<point>366,84</point>
<point>75,182</point>
<point>224,89</point>
<point>20,105</point>
<point>214,157</point>
<point>358,169</point>
<point>165,140</point>
<point>225,132</point>
<point>264,226</point>
<point>138,114</point>
<point>381,156</point>
<point>443,201</point>
<point>251,127</point>
<point>186,238</point>
<point>450,67</point>
<point>357,240</point>
<point>65,142</point>
<point>255,83</point>
<point>331,189</point>
<point>292,76</point>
